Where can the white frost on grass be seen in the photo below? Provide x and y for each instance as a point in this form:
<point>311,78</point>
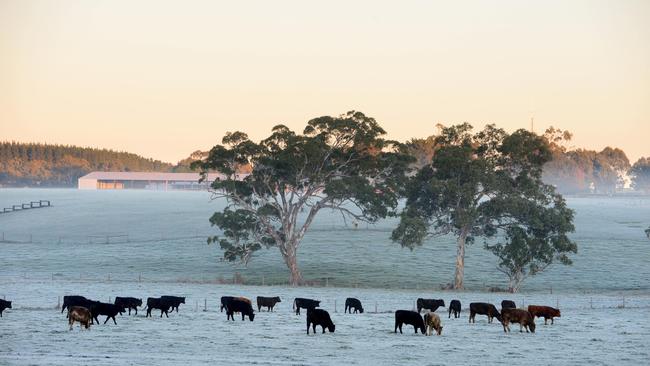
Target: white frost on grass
<point>34,332</point>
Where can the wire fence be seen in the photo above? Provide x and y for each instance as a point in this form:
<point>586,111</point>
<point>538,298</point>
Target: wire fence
<point>391,299</point>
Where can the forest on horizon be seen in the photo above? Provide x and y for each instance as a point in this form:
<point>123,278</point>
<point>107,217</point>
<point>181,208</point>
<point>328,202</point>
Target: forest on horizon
<point>572,170</point>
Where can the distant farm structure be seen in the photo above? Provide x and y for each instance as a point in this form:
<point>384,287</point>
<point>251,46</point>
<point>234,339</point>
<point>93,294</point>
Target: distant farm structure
<point>147,180</point>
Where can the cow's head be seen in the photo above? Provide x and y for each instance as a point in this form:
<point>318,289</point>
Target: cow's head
<point>439,330</point>
<point>182,300</point>
<point>531,326</point>
<point>557,313</point>
<point>251,316</point>
<point>277,299</point>
<point>317,303</point>
<point>361,309</point>
<point>441,303</point>
<point>138,302</point>
<point>331,327</point>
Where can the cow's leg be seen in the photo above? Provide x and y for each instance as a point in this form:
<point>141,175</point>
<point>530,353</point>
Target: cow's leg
<point>242,316</point>
<point>400,328</point>
<point>136,310</point>
<point>552,321</point>
<point>307,326</point>
<point>113,320</point>
<point>322,326</point>
<point>107,317</point>
<point>167,313</point>
<point>314,328</point>
<point>545,321</point>
<point>70,322</point>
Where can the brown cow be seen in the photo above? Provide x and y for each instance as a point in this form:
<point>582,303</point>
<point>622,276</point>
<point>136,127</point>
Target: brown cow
<point>432,321</point>
<point>80,314</point>
<point>245,299</point>
<point>520,316</point>
<point>545,312</point>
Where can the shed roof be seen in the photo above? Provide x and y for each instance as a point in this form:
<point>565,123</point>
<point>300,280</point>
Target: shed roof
<point>147,176</point>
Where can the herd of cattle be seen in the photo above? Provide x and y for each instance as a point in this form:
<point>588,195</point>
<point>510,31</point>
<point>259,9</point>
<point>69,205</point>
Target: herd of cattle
<point>86,311</point>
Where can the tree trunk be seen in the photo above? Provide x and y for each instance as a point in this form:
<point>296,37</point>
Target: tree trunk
<point>460,260</point>
<point>295,277</point>
<point>514,284</point>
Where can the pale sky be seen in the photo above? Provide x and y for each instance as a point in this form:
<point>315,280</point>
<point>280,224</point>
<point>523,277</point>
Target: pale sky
<point>165,78</point>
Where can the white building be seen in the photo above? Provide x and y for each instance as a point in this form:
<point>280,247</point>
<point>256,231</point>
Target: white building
<point>145,180</point>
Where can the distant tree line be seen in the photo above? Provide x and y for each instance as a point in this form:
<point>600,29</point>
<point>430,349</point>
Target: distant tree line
<point>570,170</point>
<point>33,164</point>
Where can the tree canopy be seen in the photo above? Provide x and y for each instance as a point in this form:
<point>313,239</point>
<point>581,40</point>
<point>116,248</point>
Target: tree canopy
<point>486,184</point>
<point>339,163</point>
<point>640,173</point>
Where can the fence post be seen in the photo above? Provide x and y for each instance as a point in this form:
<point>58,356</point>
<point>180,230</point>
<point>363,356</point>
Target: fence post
<point>58,302</point>
<point>197,306</point>
<point>557,302</point>
<point>326,282</point>
<point>109,278</point>
<point>140,277</point>
<point>623,302</point>
<point>591,302</point>
<point>205,304</point>
<point>335,306</point>
<point>375,307</point>
<point>551,290</point>
<point>262,280</point>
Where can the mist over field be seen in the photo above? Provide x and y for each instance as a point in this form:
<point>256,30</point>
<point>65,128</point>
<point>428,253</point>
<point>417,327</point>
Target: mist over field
<point>162,236</point>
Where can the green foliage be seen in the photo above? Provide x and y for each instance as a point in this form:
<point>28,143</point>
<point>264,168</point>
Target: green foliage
<point>338,163</point>
<point>640,173</point>
<point>489,184</point>
<point>61,165</point>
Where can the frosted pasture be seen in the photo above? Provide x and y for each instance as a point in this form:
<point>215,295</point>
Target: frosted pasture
<point>34,332</point>
<point>62,250</point>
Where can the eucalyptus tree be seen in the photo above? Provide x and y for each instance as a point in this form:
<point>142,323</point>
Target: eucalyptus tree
<point>476,186</point>
<point>339,163</point>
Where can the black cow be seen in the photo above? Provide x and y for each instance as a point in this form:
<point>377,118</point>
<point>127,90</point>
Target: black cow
<point>454,306</point>
<point>409,317</point>
<point>4,304</point>
<point>319,317</point>
<point>431,304</point>
<point>483,308</point>
<point>508,304</point>
<point>174,301</point>
<point>268,302</point>
<point>110,310</point>
<point>235,305</point>
<point>306,304</point>
<point>158,303</point>
<point>128,303</point>
<point>74,300</point>
<point>224,300</point>
<point>350,303</point>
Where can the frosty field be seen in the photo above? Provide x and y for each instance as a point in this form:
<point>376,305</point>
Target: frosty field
<point>103,244</point>
<point>37,333</point>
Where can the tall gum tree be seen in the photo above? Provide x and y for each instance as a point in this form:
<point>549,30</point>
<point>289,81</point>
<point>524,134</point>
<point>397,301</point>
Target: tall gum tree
<point>338,163</point>
<point>470,187</point>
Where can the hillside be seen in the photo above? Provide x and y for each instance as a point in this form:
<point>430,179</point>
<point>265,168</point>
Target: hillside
<point>33,164</point>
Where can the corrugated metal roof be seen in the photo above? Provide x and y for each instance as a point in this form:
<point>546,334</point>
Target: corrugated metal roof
<point>184,177</point>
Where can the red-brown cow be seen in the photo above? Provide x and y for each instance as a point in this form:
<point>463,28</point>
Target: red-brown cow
<point>545,312</point>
